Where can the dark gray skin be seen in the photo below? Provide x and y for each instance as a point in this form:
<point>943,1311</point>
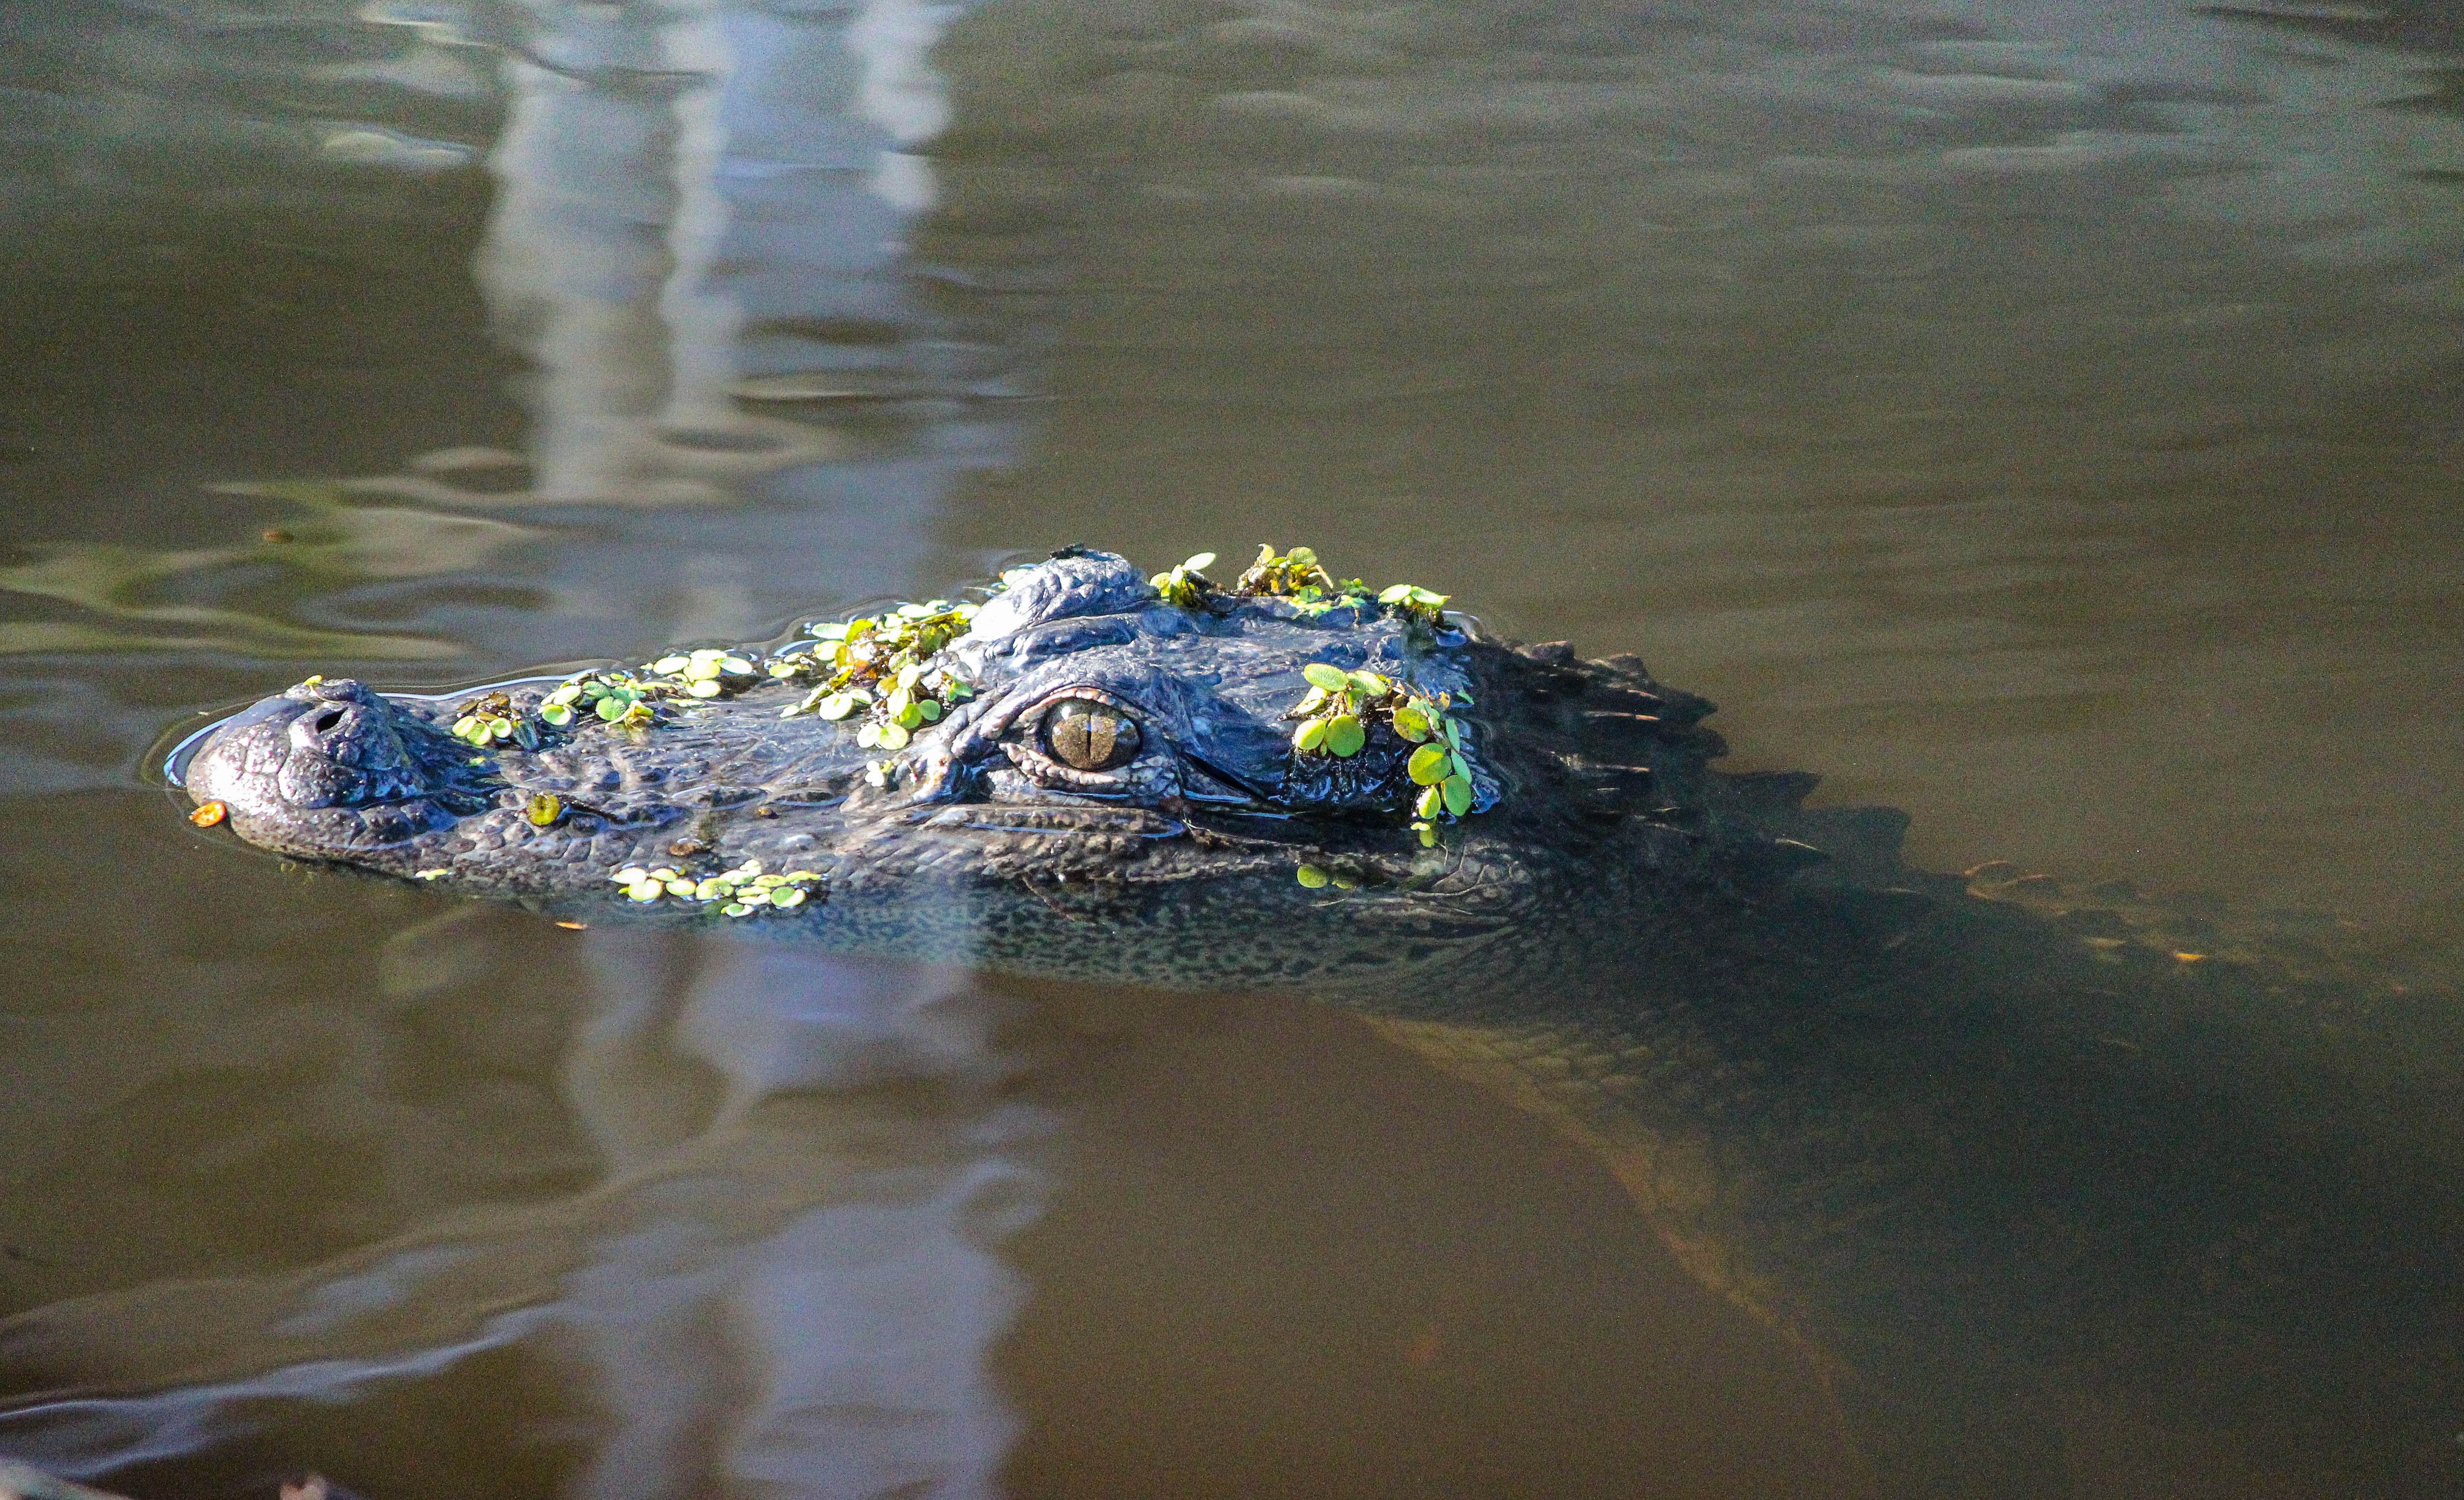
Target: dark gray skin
<point>1995,1157</point>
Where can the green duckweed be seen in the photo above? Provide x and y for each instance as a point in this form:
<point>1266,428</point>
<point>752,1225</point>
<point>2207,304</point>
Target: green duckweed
<point>1185,586</point>
<point>1416,604</point>
<point>1298,576</point>
<point>485,721</point>
<point>706,672</point>
<point>1342,707</point>
<point>739,892</point>
<point>1332,717</point>
<point>889,669</point>
<point>613,697</point>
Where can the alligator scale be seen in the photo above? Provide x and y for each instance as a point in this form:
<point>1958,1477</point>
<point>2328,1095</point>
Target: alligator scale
<point>1992,1155</point>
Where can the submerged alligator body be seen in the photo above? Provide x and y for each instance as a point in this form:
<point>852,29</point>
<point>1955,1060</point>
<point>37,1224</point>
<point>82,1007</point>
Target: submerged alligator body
<point>1992,1160</point>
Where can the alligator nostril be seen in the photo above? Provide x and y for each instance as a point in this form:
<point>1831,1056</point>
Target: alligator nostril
<point>325,722</point>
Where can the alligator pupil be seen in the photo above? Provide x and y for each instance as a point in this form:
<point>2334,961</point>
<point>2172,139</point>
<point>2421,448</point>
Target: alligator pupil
<point>1088,736</point>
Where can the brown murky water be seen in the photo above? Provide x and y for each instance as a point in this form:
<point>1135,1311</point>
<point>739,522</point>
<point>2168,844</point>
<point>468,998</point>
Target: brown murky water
<point>2041,418</point>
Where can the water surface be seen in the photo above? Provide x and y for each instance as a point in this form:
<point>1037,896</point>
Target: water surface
<point>2037,416</point>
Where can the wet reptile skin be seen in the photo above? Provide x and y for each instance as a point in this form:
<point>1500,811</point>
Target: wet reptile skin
<point>1991,1153</point>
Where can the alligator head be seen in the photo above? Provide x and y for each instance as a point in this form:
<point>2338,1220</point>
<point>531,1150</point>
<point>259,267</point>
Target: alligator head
<point>1071,776</point>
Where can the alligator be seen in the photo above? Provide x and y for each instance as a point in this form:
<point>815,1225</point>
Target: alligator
<point>2004,1159</point>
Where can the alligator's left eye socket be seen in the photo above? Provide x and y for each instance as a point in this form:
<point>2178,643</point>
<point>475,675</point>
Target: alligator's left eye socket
<point>1089,736</point>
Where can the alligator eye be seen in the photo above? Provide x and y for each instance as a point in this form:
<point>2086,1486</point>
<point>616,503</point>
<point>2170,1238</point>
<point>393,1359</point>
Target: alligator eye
<point>1088,736</point>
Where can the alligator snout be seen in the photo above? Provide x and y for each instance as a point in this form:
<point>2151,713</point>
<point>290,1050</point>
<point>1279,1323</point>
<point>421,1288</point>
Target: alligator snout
<point>311,732</point>
<point>328,755</point>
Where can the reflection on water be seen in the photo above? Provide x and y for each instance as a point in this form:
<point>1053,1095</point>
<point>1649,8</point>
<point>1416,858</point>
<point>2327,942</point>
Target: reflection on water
<point>781,1272</point>
<point>328,546</point>
<point>2037,414</point>
<point>699,239</point>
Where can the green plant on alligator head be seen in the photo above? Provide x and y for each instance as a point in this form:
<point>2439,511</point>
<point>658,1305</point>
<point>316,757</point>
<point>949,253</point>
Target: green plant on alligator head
<point>1335,719</point>
<point>887,667</point>
<point>706,673</point>
<point>743,891</point>
<point>1298,576</point>
<point>1333,715</point>
<point>890,671</point>
<point>1416,605</point>
<point>1437,764</point>
<point>1185,586</point>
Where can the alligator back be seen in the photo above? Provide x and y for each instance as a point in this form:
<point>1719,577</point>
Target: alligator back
<point>1992,1151</point>
<point>1995,1152</point>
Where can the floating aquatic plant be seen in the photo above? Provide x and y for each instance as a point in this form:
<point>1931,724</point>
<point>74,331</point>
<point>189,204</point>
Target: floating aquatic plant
<point>491,719</point>
<point>1335,717</point>
<point>1438,765</point>
<point>740,892</point>
<point>1185,586</point>
<point>1331,717</point>
<point>1298,576</point>
<point>613,697</point>
<point>1334,720</point>
<point>705,673</point>
<point>887,668</point>
<point>1286,575</point>
<point>1417,606</point>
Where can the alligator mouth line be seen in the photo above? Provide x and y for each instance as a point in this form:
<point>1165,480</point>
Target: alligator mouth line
<point>1227,778</point>
<point>978,818</point>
